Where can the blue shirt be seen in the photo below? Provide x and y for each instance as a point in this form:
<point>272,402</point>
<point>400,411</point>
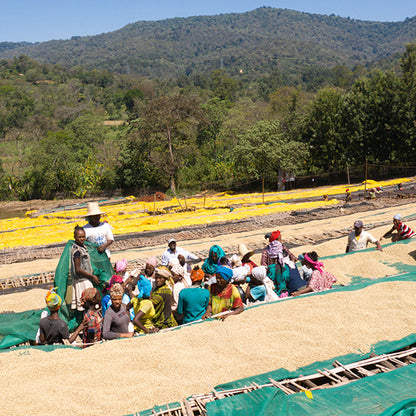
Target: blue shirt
<point>192,303</point>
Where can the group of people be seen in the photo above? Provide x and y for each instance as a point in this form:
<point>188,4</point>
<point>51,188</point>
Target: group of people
<point>170,292</point>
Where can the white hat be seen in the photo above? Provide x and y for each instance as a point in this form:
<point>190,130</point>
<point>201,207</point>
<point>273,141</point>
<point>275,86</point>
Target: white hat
<point>172,240</point>
<point>93,209</point>
<point>245,252</point>
<point>397,217</point>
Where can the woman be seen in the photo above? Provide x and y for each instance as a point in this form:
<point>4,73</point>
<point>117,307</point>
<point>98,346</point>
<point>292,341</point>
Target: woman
<point>275,251</point>
<point>403,231</point>
<point>211,263</point>
<point>162,299</point>
<point>223,295</point>
<point>320,279</point>
<point>117,319</point>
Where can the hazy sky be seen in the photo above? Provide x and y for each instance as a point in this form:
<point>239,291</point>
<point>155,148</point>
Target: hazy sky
<point>42,20</point>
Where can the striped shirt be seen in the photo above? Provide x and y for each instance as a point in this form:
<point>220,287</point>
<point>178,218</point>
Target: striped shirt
<point>405,231</point>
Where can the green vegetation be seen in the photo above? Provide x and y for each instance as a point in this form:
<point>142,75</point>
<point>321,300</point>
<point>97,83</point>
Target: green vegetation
<point>194,128</point>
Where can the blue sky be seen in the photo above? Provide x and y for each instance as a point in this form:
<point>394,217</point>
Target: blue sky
<point>42,20</point>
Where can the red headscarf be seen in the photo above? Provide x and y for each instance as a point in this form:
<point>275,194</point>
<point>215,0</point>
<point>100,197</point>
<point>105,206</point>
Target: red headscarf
<point>275,235</point>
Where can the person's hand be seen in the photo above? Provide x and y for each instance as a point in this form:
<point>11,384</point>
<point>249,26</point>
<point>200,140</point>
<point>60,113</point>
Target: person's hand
<point>153,330</point>
<point>205,316</point>
<point>101,249</point>
<point>95,280</point>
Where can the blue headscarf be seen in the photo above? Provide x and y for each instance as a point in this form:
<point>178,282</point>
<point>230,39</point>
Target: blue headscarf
<point>225,272</point>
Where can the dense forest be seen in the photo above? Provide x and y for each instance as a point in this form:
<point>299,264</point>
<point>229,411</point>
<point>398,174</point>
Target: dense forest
<point>70,131</point>
<point>293,45</point>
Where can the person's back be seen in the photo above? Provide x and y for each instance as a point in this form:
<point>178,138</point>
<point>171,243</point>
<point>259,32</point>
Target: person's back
<point>192,303</point>
<point>54,330</point>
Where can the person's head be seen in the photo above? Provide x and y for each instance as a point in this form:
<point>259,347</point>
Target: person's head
<point>172,244</point>
<point>115,279</point>
<point>150,266</point>
<point>313,256</point>
<point>223,275</point>
<point>181,259</point>
<point>162,275</point>
<point>224,261</point>
<point>358,227</point>
<point>90,297</point>
<point>301,258</point>
<point>197,275</point>
<point>79,235</point>
<point>275,235</point>
<point>94,214</point>
<point>177,273</point>
<point>116,295</point>
<point>53,300</point>
<point>397,219</point>
<point>121,266</point>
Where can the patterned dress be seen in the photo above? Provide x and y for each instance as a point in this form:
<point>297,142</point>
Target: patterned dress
<point>224,300</point>
<point>321,281</point>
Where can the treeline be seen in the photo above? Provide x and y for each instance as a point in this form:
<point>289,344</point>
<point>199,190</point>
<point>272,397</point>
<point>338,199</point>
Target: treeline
<point>73,132</point>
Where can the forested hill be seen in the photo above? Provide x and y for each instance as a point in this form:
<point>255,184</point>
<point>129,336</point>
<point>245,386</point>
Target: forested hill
<point>245,44</point>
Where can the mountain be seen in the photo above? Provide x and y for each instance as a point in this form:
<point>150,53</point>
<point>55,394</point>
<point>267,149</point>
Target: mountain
<point>248,44</point>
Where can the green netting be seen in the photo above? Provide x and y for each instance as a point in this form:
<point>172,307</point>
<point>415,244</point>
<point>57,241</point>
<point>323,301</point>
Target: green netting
<point>368,396</point>
<point>16,328</point>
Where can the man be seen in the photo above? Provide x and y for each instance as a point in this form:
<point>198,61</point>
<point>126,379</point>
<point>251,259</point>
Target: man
<point>98,232</point>
<point>173,252</point>
<point>403,231</point>
<point>358,239</point>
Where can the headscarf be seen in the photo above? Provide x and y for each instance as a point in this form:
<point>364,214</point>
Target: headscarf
<point>275,251</point>
<point>259,273</point>
<point>173,262</point>
<point>116,290</point>
<point>53,300</point>
<point>164,272</point>
<point>197,275</point>
<point>225,273</point>
<point>210,266</point>
<point>121,265</point>
<point>89,295</point>
<point>315,264</point>
<point>274,236</point>
<point>152,261</point>
<point>178,269</point>
<point>235,260</point>
<point>115,279</point>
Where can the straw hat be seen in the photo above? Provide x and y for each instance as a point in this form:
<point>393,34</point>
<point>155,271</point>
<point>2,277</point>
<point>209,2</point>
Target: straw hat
<point>245,253</point>
<point>93,209</point>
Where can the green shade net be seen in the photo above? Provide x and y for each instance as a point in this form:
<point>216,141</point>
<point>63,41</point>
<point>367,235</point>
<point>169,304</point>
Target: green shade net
<point>16,328</point>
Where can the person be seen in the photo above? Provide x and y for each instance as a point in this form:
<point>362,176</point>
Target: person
<point>211,263</point>
<point>245,254</point>
<point>320,279</point>
<point>173,252</point>
<point>98,232</point>
<point>260,287</point>
<point>348,197</point>
<point>81,269</point>
<point>305,271</point>
<point>117,319</point>
<point>144,315</point>
<point>121,269</point>
<point>162,299</point>
<point>358,239</point>
<point>403,231</point>
<point>193,301</point>
<point>93,319</point>
<point>224,296</point>
<point>106,300</point>
<point>139,281</point>
<point>53,330</point>
<point>275,251</point>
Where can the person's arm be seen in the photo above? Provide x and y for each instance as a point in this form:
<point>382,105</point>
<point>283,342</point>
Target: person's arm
<point>80,328</point>
<point>42,336</point>
<point>179,308</point>
<point>235,311</point>
<point>108,320</point>
<point>207,313</point>
<point>388,233</point>
<point>104,246</point>
<point>302,291</point>
<point>137,322</point>
<point>188,255</point>
<point>264,258</point>
<point>378,246</point>
<point>78,270</point>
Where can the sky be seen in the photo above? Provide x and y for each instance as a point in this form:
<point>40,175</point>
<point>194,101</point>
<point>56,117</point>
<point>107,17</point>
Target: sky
<point>43,20</point>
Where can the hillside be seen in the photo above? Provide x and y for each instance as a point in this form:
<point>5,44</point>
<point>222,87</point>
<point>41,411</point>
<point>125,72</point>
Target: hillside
<point>246,44</point>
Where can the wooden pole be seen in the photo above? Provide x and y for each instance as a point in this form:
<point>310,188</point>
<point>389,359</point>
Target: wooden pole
<point>262,187</point>
<point>348,174</point>
<point>365,186</point>
<point>205,194</point>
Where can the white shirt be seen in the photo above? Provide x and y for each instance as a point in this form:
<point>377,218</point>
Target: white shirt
<point>99,235</point>
<point>361,242</point>
<point>168,255</point>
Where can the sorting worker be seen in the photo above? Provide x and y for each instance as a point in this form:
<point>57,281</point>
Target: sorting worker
<point>358,239</point>
<point>403,231</point>
<point>174,251</point>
